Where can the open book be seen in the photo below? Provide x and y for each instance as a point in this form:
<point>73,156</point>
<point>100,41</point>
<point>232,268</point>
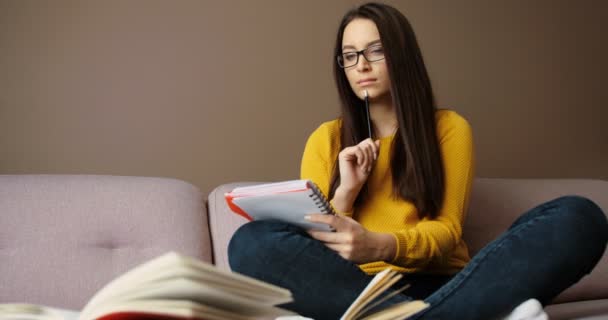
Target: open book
<point>288,201</point>
<point>176,287</point>
<point>369,298</point>
<point>171,286</point>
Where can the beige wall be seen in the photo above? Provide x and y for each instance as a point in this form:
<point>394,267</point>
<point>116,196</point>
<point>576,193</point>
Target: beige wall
<point>219,91</point>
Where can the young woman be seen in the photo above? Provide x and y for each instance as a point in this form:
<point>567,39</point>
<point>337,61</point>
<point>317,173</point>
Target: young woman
<point>402,195</point>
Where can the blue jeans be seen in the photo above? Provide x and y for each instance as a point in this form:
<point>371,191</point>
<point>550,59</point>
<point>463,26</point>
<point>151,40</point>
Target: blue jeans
<point>545,251</point>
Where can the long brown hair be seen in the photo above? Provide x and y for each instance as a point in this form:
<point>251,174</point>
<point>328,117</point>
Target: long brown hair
<point>416,166</point>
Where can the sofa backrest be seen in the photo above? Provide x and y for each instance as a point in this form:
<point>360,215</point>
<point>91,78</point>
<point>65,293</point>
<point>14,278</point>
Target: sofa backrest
<point>494,205</point>
<point>62,237</point>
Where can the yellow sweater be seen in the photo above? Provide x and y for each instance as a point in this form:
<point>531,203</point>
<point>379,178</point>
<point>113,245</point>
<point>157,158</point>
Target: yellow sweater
<point>428,246</point>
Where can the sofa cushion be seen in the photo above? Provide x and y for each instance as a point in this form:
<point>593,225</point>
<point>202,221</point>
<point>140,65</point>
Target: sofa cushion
<point>62,237</point>
<point>594,309</point>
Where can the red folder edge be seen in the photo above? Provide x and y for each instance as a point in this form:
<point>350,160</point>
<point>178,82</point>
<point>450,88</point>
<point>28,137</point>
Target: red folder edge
<point>236,209</point>
<point>138,315</point>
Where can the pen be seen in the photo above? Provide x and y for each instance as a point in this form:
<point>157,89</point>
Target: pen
<point>369,125</point>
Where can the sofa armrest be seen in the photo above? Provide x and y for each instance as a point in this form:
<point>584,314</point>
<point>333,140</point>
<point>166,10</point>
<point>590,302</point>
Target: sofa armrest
<point>223,222</point>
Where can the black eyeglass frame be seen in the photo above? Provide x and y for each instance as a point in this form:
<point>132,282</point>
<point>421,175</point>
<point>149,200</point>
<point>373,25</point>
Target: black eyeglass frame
<point>340,57</point>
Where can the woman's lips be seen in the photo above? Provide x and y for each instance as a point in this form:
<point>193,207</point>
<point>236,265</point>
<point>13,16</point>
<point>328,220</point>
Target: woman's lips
<point>366,82</point>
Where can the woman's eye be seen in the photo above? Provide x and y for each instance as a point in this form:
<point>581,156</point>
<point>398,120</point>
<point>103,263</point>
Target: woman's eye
<point>350,56</point>
<point>378,50</point>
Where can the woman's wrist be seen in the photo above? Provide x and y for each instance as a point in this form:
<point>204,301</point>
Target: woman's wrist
<point>386,246</point>
<point>343,200</point>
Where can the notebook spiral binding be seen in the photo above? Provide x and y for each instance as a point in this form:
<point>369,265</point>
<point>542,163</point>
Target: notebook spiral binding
<point>320,200</point>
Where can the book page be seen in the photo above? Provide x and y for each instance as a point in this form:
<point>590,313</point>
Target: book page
<point>191,291</point>
<point>171,266</point>
<point>185,272</point>
<point>270,188</point>
<point>24,311</point>
<point>379,284</point>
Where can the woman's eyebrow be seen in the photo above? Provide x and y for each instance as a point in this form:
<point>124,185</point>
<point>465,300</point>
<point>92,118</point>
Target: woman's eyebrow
<point>368,44</point>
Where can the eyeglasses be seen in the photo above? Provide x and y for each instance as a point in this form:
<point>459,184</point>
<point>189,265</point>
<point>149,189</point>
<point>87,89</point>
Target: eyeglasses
<point>371,54</point>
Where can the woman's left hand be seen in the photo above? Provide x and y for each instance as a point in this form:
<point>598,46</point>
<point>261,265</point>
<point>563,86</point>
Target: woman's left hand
<point>352,241</point>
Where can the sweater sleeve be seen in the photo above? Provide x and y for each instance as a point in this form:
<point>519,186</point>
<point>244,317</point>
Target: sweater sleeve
<point>317,162</point>
<point>434,239</point>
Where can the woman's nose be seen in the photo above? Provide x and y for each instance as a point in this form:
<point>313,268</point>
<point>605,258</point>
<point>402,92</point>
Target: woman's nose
<point>363,64</point>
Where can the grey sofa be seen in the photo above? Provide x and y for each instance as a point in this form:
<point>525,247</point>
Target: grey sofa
<point>62,237</point>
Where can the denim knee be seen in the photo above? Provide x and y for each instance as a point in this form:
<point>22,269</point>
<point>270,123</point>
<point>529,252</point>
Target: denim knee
<point>240,245</point>
<point>585,217</point>
<point>583,209</point>
<point>252,242</point>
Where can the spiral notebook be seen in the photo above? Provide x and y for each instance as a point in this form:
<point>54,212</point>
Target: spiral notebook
<point>288,201</point>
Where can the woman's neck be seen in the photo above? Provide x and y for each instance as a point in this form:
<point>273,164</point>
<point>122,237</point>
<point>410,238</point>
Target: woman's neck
<point>383,116</point>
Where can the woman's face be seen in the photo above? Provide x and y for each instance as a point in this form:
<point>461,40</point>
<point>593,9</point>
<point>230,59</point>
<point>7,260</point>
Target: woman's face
<point>361,34</point>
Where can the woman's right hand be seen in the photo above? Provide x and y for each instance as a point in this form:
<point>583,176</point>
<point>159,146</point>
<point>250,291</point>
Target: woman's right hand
<point>356,163</point>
